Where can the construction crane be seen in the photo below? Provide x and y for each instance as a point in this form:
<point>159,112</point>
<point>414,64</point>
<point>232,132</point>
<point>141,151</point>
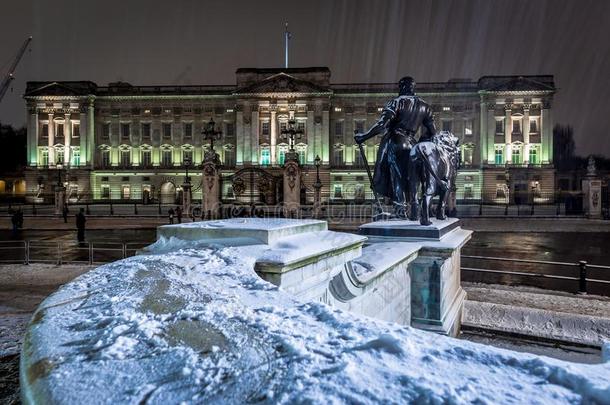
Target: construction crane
<point>6,81</point>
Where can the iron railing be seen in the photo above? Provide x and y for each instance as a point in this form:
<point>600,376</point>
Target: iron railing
<point>38,251</point>
<point>581,277</point>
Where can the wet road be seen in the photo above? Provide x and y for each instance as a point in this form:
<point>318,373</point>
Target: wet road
<point>560,247</point>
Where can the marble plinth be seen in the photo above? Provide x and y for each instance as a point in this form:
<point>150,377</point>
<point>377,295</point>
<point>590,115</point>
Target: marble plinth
<point>410,229</point>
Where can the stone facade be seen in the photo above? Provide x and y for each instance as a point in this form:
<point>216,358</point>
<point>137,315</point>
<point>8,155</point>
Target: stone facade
<point>125,142</point>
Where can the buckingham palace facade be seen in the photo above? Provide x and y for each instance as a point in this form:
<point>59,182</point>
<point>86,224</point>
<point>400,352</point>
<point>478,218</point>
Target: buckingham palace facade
<point>127,142</point>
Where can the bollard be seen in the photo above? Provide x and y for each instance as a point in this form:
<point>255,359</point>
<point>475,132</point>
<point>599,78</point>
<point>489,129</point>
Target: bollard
<point>506,210</point>
<point>582,281</point>
<point>111,209</point>
<point>90,252</point>
<point>87,211</point>
<point>135,209</point>
<point>481,208</point>
<point>33,209</point>
<point>532,213</point>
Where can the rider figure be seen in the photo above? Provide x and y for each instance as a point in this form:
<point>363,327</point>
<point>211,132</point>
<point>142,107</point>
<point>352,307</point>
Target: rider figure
<point>400,120</point>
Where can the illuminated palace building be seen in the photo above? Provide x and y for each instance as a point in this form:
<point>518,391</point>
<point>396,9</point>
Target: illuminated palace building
<point>134,143</point>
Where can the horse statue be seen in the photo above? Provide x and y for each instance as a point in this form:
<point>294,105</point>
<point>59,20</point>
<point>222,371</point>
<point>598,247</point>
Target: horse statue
<point>433,165</point>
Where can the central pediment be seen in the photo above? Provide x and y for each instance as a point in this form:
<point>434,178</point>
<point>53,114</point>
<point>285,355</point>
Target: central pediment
<point>82,88</point>
<point>282,83</point>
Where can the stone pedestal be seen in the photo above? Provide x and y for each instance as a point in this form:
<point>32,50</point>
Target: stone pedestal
<point>292,189</point>
<point>211,191</point>
<point>317,201</point>
<point>437,297</point>
<point>60,199</point>
<point>592,189</point>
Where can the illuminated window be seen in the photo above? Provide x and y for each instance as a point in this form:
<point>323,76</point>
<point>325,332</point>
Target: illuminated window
<point>187,156</point>
<point>499,156</point>
<point>533,156</point>
<point>44,157</point>
<point>338,191</point>
<point>337,109</point>
<point>517,157</point>
<point>468,127</point>
<point>44,130</point>
<point>167,130</point>
<point>59,155</point>
<point>75,156</point>
<point>446,108</point>
<point>105,191</point>
<point>533,125</point>
<point>125,192</point>
<point>265,156</point>
<point>500,126</point>
<point>338,157</point>
<point>358,160</point>
<point>281,155</point>
<point>229,156</point>
<point>467,153</point>
<point>468,191</point>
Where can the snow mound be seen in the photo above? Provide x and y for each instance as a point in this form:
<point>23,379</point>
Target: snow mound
<point>197,325</point>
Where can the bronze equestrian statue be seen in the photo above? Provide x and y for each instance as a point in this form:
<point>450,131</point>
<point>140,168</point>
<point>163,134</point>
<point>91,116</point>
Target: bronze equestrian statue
<point>400,120</point>
<point>433,165</point>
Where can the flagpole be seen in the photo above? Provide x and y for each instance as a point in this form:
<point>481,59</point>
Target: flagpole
<point>286,39</point>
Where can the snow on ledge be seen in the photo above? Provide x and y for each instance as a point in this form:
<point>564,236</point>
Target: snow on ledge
<point>198,325</point>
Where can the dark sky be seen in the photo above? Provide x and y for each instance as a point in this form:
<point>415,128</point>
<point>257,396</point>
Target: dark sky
<point>204,42</point>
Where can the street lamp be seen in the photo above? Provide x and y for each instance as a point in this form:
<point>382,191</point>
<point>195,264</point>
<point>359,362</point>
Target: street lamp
<point>210,133</point>
<point>317,187</point>
<point>187,162</point>
<point>59,167</point>
<point>317,161</point>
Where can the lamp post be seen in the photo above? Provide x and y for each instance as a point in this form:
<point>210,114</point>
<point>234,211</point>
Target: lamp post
<point>290,133</point>
<point>317,187</point>
<point>211,134</point>
<point>186,188</point>
<point>60,192</point>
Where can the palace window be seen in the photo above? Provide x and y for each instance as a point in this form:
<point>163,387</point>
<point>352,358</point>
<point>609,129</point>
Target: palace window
<point>467,127</point>
<point>125,132</point>
<point>59,155</point>
<point>359,126</point>
<point>125,192</point>
<point>499,155</point>
<point>533,125</point>
<point>166,157</point>
<point>106,131</point>
<point>301,151</point>
<point>500,126</point>
<point>281,154</point>
<point>187,156</point>
<point>265,128</point>
<point>44,157</point>
<point>75,130</point>
<point>105,158</point>
<point>188,130</point>
<point>125,158</point>
<point>338,157</point>
<point>338,191</point>
<point>358,160</point>
<point>517,157</point>
<point>265,156</point>
<point>105,191</point>
<point>467,152</point>
<point>167,130</point>
<point>516,126</point>
<point>230,129</point>
<point>283,126</point>
<point>146,157</point>
<point>533,156</point>
<point>468,191</point>
<point>44,130</point>
<point>59,132</point>
<point>339,128</point>
<point>146,130</point>
<point>301,127</point>
<point>229,156</point>
<point>75,156</point>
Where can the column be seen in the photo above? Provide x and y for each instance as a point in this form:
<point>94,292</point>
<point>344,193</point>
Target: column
<point>325,137</point>
<point>67,139</point>
<point>51,140</point>
<point>491,135</point>
<point>255,131</point>
<point>273,125</point>
<point>310,136</point>
<point>483,141</point>
<point>32,137</point>
<point>90,156</point>
<point>239,137</point>
<point>526,133</point>
<point>507,134</point>
<point>84,152</point>
<point>348,139</point>
<point>546,124</point>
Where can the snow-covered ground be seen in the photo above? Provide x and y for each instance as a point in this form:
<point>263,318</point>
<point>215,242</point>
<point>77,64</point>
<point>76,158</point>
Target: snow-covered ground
<point>196,324</point>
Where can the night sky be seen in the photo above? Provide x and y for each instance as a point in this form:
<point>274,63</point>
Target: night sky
<point>204,42</point>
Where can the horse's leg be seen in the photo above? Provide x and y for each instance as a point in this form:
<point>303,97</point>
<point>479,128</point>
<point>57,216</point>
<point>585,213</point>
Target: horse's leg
<point>427,194</point>
<point>442,203</point>
<point>414,180</point>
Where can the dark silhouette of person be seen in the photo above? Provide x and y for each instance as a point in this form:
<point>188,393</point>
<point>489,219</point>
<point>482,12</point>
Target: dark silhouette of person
<point>80,225</point>
<point>179,214</point>
<point>399,122</point>
<point>65,211</point>
<point>170,215</point>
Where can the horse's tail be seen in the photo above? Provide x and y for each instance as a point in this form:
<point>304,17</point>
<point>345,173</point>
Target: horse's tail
<point>424,158</point>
